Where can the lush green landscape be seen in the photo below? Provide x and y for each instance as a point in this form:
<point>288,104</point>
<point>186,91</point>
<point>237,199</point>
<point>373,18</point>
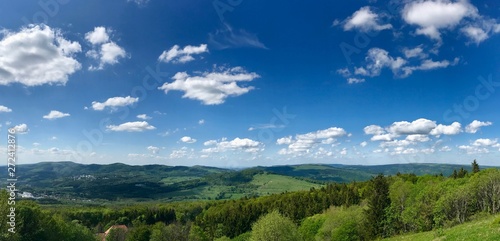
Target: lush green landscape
<point>301,202</point>
<point>57,182</point>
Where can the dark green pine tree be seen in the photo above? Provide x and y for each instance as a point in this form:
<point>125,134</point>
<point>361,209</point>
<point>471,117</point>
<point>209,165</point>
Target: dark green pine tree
<point>455,174</point>
<point>475,167</point>
<point>462,173</point>
<point>378,201</point>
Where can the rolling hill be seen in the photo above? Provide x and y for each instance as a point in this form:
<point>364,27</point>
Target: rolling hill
<point>114,182</point>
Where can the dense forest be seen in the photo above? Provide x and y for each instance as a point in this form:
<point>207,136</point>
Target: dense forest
<point>381,207</point>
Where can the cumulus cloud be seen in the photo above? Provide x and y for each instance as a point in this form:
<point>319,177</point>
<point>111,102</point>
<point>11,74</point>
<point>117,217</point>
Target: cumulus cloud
<point>477,35</point>
<point>485,142</point>
<point>21,129</point>
<point>137,126</point>
<point>153,149</point>
<point>178,55</point>
<point>42,56</point>
<point>420,126</point>
<point>434,15</point>
<point>211,88</point>
<point>104,50</point>
<point>201,122</point>
<point>377,59</point>
<point>453,129</point>
<point>114,103</point>
<point>5,109</point>
<point>99,36</point>
<point>415,131</point>
<point>365,20</point>
<point>54,114</point>
<point>475,125</point>
<point>305,142</point>
<point>284,140</point>
<point>237,144</point>
<point>363,144</point>
<point>187,139</point>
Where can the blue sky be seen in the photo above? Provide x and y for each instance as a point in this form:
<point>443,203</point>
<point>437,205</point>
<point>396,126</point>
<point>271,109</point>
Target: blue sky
<point>245,83</point>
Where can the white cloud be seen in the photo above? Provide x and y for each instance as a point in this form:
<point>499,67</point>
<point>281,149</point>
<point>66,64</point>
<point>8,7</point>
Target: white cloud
<point>433,15</point>
<point>114,102</point>
<point>284,140</point>
<point>344,72</point>
<point>429,64</point>
<point>355,80</point>
<point>54,114</point>
<point>418,138</point>
<point>41,56</point>
<point>5,109</point>
<point>144,117</point>
<point>305,142</point>
<point>473,149</point>
<point>241,144</point>
<point>211,88</point>
<point>110,53</point>
<point>178,55</point>
<point>210,143</point>
<point>363,144</point>
<point>420,126</point>
<point>201,122</point>
<point>265,126</point>
<point>365,20</point>
<point>476,34</point>
<point>374,130</point>
<point>137,126</point>
<point>153,149</point>
<point>187,139</point>
<point>99,36</point>
<point>21,129</point>
<point>475,125</point>
<point>376,60</point>
<point>445,149</point>
<point>415,52</point>
<point>382,137</point>
<point>104,50</point>
<point>453,129</point>
<point>485,142</point>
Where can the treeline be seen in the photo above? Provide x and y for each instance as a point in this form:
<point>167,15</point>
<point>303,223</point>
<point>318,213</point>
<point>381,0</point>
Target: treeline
<point>382,207</point>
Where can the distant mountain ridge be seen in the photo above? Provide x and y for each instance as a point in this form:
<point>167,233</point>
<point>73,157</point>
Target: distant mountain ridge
<point>119,181</point>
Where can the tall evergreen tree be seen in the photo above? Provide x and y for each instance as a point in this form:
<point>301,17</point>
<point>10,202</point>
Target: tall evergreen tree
<point>378,201</point>
<point>475,167</point>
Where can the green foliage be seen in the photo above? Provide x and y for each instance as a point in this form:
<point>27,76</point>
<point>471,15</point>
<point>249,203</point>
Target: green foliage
<point>139,232</point>
<point>274,227</point>
<point>116,234</point>
<point>475,167</point>
<point>378,202</point>
<point>341,223</point>
<point>310,227</point>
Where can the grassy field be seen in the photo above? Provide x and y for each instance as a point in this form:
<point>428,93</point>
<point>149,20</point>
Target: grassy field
<point>486,229</point>
<point>271,183</point>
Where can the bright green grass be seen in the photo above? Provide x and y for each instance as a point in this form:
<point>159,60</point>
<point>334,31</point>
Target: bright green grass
<point>271,183</point>
<point>480,230</point>
<point>173,180</point>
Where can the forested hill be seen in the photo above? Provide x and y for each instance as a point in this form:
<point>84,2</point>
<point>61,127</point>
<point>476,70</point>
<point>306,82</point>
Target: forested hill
<point>68,180</point>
